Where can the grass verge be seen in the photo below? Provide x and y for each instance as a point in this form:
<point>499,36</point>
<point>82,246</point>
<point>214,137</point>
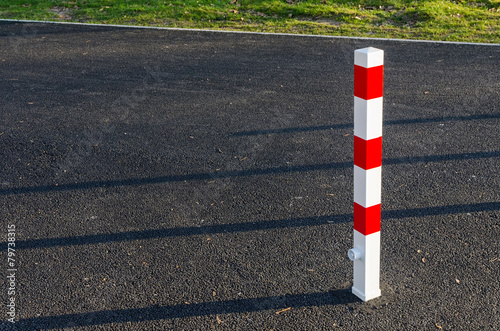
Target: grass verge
<point>459,20</point>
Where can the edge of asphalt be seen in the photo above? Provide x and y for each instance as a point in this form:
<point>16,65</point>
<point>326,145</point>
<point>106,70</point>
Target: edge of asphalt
<point>247,32</point>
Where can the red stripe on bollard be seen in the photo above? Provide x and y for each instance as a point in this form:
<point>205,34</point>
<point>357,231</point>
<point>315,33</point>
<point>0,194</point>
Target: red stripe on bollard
<point>367,220</point>
<point>367,153</point>
<point>368,82</point>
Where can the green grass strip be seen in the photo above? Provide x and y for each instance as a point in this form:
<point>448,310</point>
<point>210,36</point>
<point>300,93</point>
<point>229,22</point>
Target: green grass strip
<point>459,20</point>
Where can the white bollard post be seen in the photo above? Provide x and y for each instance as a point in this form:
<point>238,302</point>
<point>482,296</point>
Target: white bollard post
<point>368,100</point>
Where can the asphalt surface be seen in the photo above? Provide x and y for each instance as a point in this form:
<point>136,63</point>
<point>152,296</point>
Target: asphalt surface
<point>179,180</point>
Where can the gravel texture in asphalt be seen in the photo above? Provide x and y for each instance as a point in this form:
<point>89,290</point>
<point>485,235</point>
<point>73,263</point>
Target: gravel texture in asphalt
<point>183,180</point>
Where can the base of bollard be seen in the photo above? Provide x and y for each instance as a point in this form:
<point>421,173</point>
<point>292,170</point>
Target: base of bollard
<point>366,296</point>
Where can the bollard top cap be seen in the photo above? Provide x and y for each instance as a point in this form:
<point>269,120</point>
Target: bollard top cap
<point>369,57</point>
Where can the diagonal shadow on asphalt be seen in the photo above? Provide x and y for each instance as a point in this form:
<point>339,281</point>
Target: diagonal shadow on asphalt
<point>288,301</point>
<point>350,125</point>
<point>249,226</point>
<point>240,173</point>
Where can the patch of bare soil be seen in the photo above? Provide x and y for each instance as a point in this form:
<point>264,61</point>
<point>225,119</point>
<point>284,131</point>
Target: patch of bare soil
<point>322,20</point>
<point>62,12</point>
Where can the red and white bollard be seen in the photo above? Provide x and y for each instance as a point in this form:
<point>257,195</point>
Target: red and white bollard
<point>368,100</point>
